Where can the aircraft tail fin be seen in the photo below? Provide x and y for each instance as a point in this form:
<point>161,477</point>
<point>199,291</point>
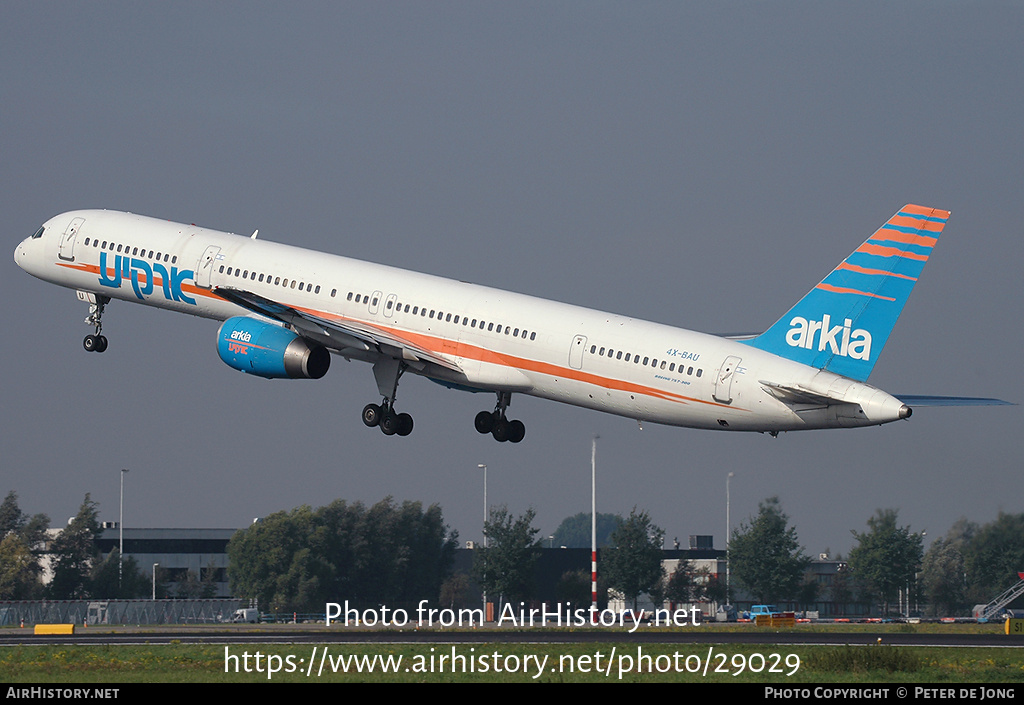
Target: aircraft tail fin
<point>842,324</point>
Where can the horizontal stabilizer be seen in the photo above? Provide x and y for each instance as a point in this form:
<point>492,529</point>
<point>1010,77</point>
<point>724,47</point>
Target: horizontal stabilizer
<point>924,400</point>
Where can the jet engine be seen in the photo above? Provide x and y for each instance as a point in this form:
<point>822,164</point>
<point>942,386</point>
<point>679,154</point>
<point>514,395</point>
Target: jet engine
<point>269,350</point>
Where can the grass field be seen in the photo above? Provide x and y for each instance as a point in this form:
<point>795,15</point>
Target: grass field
<point>609,661</point>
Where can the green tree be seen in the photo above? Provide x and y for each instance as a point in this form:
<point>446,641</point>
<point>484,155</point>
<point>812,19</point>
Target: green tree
<point>886,557</point>
<point>765,555</point>
<point>104,582</point>
<point>74,552</point>
<point>575,531</point>
<point>633,563</point>
<point>20,538</point>
<point>455,592</point>
<point>19,570</point>
<point>943,577</point>
<point>682,583</point>
<point>505,568</point>
<point>993,555</point>
<point>385,554</point>
<point>11,518</point>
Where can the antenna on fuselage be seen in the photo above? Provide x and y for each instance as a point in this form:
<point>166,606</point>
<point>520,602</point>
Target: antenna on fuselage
<point>254,234</point>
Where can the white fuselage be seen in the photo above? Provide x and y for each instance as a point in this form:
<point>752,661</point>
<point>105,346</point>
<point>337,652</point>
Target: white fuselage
<point>498,340</point>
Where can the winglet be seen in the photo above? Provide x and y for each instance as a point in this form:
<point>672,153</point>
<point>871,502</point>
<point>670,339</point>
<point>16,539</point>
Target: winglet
<point>842,324</point>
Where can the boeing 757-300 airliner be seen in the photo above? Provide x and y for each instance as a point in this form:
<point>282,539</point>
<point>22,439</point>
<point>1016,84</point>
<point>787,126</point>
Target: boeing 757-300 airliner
<point>286,310</point>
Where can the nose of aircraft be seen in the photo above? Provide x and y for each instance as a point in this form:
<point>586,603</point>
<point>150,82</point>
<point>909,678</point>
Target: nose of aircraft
<point>19,253</point>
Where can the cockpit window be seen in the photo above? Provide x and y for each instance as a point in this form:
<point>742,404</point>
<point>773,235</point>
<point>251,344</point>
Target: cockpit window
<point>39,233</point>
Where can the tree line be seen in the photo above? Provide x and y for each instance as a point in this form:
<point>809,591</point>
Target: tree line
<point>398,554</point>
<point>970,565</point>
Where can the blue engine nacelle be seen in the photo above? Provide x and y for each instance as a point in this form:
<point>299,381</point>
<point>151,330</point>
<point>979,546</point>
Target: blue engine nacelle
<point>268,350</point>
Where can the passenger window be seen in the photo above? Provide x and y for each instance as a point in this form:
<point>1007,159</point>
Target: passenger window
<point>533,336</point>
<point>699,371</point>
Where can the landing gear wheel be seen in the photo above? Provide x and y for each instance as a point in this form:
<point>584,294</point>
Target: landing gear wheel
<point>516,431</point>
<point>501,430</point>
<point>484,422</point>
<point>404,424</point>
<point>389,423</point>
<point>372,415</point>
<point>101,343</point>
<point>90,343</point>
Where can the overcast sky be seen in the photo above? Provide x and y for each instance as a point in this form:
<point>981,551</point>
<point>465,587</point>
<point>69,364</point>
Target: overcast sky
<point>697,164</point>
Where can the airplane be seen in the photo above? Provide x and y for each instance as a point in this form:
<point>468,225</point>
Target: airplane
<point>286,310</point>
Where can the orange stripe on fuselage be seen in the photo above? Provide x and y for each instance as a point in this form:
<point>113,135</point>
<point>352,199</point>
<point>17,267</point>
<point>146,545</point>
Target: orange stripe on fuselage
<point>473,352</point>
<point>157,280</point>
<point>465,350</point>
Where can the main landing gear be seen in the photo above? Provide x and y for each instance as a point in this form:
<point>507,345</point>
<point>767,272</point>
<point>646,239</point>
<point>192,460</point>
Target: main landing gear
<point>97,342</point>
<point>495,423</point>
<point>391,423</point>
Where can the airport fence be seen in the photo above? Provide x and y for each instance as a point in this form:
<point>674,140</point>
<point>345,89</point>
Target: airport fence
<point>88,612</point>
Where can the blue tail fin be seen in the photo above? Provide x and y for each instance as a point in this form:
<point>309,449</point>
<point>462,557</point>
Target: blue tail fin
<point>842,324</point>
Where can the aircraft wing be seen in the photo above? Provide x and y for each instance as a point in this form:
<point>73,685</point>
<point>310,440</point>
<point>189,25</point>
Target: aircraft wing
<point>923,400</point>
<point>340,334</point>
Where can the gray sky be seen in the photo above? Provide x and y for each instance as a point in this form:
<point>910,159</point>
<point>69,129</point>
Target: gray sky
<point>697,164</point>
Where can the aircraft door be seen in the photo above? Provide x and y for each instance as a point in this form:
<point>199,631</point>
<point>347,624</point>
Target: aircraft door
<point>67,240</point>
<point>375,302</point>
<point>389,305</point>
<point>579,344</point>
<point>726,374</point>
<point>204,267</point>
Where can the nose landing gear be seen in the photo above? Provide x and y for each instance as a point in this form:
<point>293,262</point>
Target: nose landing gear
<point>95,342</point>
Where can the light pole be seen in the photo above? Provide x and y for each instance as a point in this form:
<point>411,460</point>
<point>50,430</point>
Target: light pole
<point>483,467</point>
<point>154,579</point>
<point>728,529</point>
<point>120,529</point>
<point>593,526</point>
